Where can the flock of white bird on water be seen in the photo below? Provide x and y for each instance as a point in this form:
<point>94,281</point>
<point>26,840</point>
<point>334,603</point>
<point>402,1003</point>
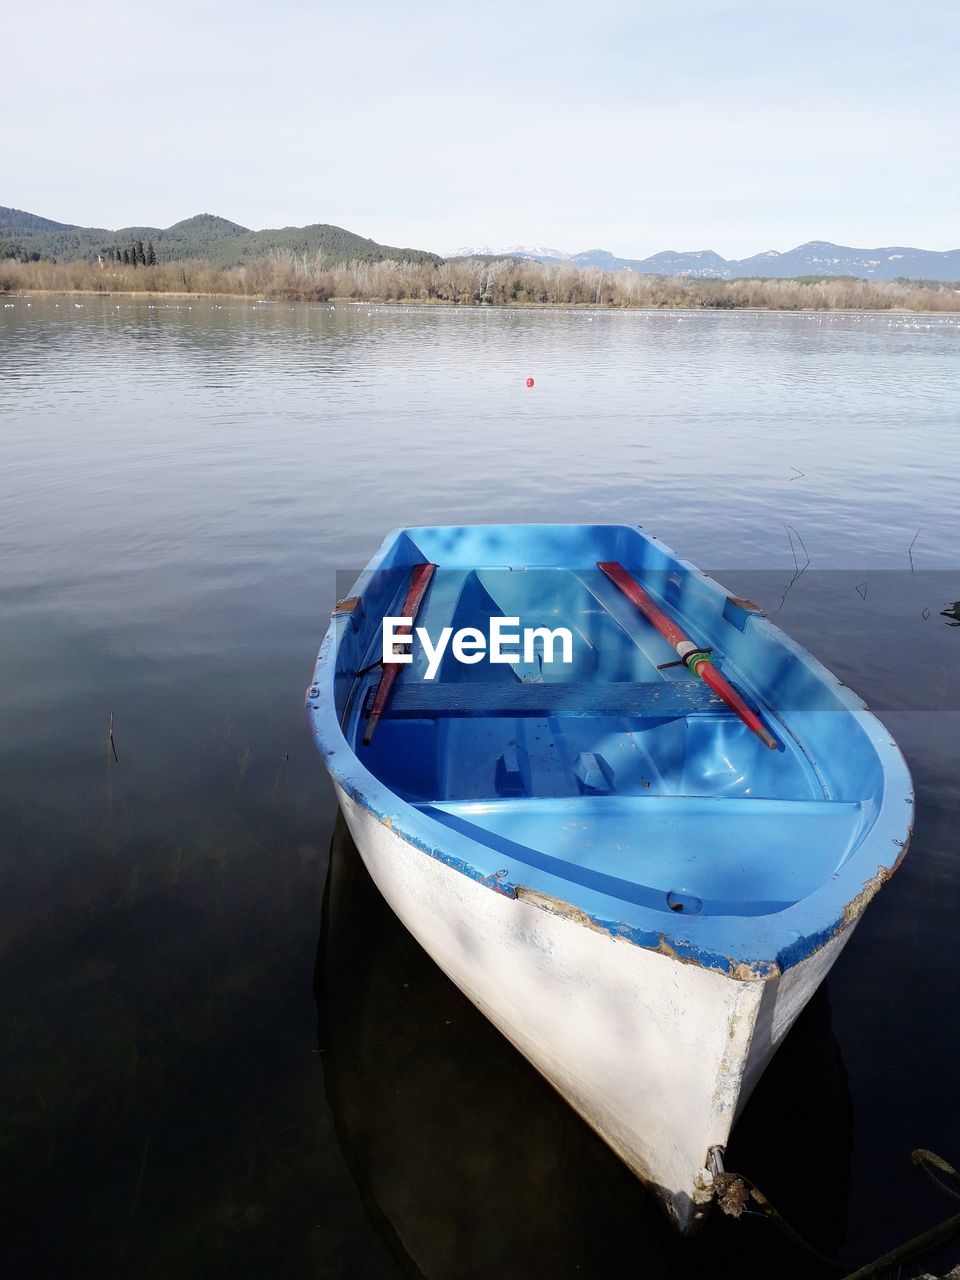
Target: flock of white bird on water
<point>893,321</point>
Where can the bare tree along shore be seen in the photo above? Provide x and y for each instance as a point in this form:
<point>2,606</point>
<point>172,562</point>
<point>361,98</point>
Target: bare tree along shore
<point>473,282</point>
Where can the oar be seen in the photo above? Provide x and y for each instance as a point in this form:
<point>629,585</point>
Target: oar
<point>419,581</point>
<point>696,659</point>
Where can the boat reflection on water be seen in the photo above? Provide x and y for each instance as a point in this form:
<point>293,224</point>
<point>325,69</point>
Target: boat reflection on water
<point>470,1165</point>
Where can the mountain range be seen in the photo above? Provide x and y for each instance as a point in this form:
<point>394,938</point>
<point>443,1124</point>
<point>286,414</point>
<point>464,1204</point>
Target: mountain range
<point>815,258</point>
<point>538,253</point>
<point>227,243</point>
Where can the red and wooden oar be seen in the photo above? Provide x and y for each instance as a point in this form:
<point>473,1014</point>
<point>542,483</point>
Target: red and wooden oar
<point>694,658</point>
<point>419,581</point>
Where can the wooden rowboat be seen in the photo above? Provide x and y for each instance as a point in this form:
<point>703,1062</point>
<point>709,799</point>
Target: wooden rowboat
<point>638,879</point>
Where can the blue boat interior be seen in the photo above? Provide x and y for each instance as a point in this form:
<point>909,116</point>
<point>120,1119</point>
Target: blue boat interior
<point>612,771</point>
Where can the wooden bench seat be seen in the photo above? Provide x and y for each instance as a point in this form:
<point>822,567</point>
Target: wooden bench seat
<point>667,699</point>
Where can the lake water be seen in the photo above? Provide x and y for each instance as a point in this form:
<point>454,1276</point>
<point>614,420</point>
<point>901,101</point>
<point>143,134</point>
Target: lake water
<point>211,1069</point>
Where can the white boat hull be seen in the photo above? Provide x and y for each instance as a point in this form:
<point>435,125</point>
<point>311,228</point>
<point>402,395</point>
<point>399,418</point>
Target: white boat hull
<point>656,1054</point>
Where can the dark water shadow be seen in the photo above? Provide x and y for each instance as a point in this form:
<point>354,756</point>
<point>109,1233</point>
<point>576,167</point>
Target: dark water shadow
<point>470,1165</point>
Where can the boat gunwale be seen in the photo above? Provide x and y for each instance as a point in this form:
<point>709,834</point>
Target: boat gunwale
<point>756,947</point>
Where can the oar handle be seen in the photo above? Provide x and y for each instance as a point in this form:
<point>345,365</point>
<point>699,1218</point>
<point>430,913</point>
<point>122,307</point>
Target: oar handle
<point>722,687</point>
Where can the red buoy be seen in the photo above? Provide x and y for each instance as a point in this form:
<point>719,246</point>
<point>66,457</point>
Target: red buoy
<point>529,382</point>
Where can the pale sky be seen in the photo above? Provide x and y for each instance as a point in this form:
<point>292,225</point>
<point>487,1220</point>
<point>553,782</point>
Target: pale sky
<point>630,126</point>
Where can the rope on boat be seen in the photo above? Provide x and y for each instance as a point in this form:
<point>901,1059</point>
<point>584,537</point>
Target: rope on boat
<point>735,1192</point>
<point>925,1159</point>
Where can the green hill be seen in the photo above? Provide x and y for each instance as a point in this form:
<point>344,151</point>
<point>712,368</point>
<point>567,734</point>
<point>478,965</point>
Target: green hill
<point>204,236</point>
<point>19,220</point>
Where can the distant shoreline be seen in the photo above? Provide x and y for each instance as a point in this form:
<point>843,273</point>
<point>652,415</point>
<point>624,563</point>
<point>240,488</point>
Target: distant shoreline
<point>285,277</point>
<point>443,304</point>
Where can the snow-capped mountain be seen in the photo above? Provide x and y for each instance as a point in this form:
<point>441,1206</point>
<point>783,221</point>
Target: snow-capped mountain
<point>539,252</point>
<point>816,258</point>
<point>821,258</point>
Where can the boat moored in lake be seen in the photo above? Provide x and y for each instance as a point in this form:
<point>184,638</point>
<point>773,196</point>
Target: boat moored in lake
<point>639,854</point>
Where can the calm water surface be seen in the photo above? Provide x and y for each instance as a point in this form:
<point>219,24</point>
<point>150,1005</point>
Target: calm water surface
<point>217,1060</point>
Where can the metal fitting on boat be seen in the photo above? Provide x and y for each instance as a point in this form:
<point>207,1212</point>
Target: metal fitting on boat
<point>696,655</point>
